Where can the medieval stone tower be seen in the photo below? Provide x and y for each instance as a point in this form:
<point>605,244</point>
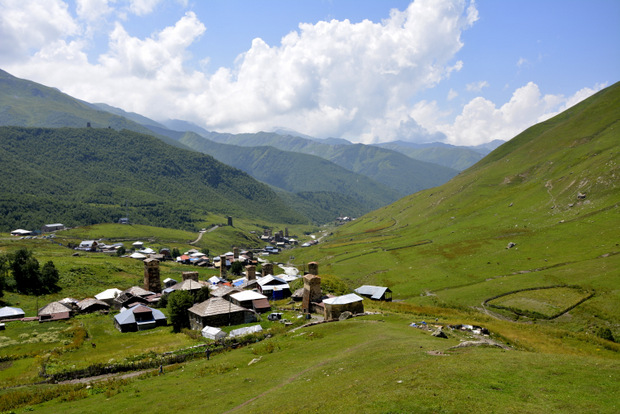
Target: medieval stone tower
<point>250,272</point>
<point>313,268</point>
<point>190,275</point>
<point>151,275</point>
<point>223,266</point>
<point>267,269</point>
<point>312,288</point>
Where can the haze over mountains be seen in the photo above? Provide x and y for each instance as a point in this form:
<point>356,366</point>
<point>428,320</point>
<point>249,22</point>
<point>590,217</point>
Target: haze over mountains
<point>321,179</point>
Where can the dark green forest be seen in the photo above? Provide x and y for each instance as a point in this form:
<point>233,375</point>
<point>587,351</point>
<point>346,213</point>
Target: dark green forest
<point>82,176</point>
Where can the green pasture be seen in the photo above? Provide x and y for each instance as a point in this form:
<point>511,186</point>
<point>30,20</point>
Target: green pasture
<point>367,364</point>
<point>546,302</point>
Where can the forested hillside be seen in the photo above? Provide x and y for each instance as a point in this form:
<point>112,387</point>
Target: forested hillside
<point>81,176</point>
<point>390,168</point>
<point>351,194</point>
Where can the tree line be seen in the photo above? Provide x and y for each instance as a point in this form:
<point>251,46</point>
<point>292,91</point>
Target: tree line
<point>21,272</point>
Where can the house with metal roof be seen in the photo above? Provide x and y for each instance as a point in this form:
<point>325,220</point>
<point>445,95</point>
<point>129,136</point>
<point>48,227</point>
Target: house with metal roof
<point>274,287</point>
<point>139,318</point>
<point>375,292</point>
<point>251,300</point>
<point>336,305</point>
<point>88,245</point>
<point>52,227</point>
<point>108,295</point>
<point>21,232</point>
<point>218,312</point>
<point>8,312</point>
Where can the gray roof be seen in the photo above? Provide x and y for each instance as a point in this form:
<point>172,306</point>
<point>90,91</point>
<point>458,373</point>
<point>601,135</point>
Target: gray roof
<point>138,291</point>
<point>52,308</point>
<point>224,290</point>
<point>127,316</point>
<point>375,292</point>
<point>87,303</point>
<point>215,306</point>
<point>9,312</point>
<point>188,284</point>
<point>344,299</point>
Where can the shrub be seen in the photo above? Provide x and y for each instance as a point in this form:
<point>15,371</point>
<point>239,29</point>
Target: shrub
<point>605,333</point>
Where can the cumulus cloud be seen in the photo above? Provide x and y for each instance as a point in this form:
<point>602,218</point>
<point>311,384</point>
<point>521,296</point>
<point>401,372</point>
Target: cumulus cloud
<point>482,121</point>
<point>27,26</point>
<point>332,78</point>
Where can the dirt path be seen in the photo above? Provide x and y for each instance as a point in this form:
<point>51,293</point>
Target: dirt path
<point>106,376</point>
<point>200,233</point>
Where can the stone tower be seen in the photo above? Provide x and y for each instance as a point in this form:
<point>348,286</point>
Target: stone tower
<point>250,272</point>
<point>151,275</point>
<point>190,275</point>
<point>313,268</point>
<point>267,269</point>
<point>223,267</point>
<point>312,292</point>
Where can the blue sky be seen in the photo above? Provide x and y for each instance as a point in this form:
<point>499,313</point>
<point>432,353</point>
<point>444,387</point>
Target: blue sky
<point>458,71</point>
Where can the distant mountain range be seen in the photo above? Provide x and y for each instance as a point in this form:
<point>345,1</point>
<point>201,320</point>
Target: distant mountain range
<point>319,178</point>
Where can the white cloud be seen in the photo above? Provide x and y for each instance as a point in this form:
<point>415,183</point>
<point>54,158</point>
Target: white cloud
<point>332,78</point>
<point>92,10</point>
<point>482,121</point>
<point>27,26</point>
<point>477,86</point>
<point>142,7</point>
<point>452,94</point>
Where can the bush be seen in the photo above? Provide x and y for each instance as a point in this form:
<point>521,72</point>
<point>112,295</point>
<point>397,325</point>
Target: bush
<point>605,333</point>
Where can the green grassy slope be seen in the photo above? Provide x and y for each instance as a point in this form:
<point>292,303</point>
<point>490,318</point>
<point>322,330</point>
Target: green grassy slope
<point>26,103</point>
<point>372,365</point>
<point>448,245</point>
<point>84,176</point>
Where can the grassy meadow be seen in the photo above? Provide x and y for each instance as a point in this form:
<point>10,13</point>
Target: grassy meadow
<point>366,364</point>
<point>525,244</point>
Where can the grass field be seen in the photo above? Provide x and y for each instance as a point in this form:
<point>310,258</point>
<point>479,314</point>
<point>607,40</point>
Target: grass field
<point>348,367</point>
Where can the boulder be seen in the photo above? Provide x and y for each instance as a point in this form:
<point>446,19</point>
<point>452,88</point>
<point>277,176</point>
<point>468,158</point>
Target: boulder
<point>439,333</point>
<point>345,315</point>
